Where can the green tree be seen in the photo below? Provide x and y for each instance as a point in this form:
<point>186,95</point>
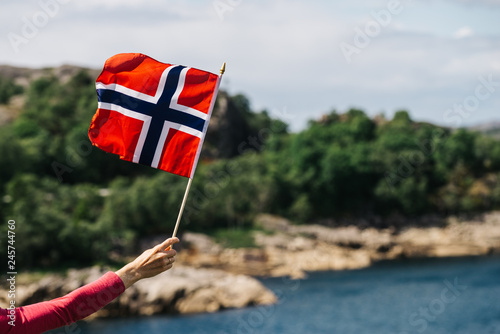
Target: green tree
<point>8,88</point>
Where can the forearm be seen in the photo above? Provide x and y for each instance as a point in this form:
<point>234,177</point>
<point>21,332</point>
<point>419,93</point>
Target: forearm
<point>77,305</point>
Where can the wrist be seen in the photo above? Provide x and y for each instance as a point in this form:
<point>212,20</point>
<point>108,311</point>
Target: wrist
<point>128,275</point>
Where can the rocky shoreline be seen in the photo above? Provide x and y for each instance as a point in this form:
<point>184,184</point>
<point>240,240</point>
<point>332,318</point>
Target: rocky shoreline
<point>285,249</point>
<point>208,277</point>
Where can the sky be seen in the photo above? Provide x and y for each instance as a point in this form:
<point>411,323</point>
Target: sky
<point>438,59</point>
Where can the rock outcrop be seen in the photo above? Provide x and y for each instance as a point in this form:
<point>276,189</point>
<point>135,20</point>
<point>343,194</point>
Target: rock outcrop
<point>228,129</point>
<point>292,250</point>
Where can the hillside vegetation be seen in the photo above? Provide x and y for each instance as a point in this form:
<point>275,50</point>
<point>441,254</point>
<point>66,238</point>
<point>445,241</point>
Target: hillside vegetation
<point>75,204</point>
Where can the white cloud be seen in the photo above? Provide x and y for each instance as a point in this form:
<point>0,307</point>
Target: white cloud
<point>492,3</point>
<point>280,53</point>
<point>463,32</point>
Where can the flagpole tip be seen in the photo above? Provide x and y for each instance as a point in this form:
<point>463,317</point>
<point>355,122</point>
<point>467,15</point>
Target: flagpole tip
<point>223,69</point>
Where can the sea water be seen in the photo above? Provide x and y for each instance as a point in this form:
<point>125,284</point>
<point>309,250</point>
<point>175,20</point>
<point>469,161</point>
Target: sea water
<point>457,295</point>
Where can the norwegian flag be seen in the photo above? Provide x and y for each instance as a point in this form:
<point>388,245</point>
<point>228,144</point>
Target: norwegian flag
<point>153,113</point>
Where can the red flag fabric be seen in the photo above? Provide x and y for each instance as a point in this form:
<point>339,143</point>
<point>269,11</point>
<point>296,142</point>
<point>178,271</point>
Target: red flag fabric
<point>153,113</point>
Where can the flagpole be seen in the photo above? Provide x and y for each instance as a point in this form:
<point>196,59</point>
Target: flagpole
<point>188,187</point>
<point>182,207</point>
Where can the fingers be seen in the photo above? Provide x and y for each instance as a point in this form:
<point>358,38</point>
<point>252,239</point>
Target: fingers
<point>163,254</point>
<point>154,260</point>
<point>159,260</point>
<point>163,261</point>
<point>169,261</point>
<point>167,244</point>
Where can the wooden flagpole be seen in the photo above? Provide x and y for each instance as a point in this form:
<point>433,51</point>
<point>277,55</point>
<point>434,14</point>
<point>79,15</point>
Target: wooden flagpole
<point>222,70</point>
<point>182,207</point>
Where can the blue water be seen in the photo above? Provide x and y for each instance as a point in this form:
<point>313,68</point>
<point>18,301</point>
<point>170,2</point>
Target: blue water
<point>419,296</point>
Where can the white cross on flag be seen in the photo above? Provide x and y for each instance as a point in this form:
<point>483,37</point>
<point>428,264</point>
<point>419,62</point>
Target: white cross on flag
<point>153,113</point>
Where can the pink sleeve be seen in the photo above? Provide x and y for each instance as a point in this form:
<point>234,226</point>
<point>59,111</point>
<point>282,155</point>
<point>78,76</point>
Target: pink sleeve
<point>76,305</point>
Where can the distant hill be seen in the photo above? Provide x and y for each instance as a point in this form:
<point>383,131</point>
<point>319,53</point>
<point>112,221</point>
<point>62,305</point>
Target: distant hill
<point>231,126</point>
<point>23,76</point>
<point>490,128</point>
